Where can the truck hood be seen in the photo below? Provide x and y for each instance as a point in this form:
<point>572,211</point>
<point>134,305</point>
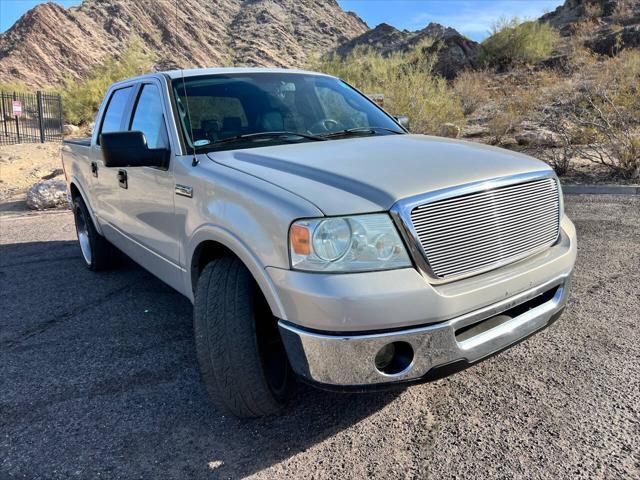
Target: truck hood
<point>369,174</point>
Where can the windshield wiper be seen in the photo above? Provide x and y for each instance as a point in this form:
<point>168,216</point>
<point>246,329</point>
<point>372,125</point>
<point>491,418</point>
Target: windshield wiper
<point>257,135</point>
<point>360,131</point>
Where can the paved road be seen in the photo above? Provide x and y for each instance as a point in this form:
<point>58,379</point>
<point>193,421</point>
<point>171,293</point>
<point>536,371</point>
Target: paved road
<point>98,379</point>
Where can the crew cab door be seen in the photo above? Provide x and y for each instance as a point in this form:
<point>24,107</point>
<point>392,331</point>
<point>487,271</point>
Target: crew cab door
<point>105,197</point>
<point>147,193</point>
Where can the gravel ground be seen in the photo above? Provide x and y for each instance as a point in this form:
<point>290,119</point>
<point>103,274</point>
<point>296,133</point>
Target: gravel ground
<point>98,379</point>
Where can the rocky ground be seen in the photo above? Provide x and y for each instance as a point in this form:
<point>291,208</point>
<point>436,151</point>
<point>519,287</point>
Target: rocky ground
<point>24,165</point>
<point>100,380</point>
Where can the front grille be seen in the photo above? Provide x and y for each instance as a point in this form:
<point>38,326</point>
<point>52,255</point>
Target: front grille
<point>482,230</point>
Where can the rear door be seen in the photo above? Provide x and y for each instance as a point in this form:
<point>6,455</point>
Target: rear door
<point>147,199</point>
<point>106,194</point>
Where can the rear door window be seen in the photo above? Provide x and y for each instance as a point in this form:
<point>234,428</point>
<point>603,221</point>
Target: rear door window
<point>112,121</point>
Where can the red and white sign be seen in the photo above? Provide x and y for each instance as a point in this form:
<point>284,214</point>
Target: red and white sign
<point>17,108</point>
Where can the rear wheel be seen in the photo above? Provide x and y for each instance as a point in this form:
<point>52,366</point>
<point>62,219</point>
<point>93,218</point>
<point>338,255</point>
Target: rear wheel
<point>242,359</point>
<point>97,252</point>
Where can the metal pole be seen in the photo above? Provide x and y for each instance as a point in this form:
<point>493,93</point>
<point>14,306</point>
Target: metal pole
<point>40,115</point>
<point>60,115</point>
<point>4,115</point>
<point>16,117</point>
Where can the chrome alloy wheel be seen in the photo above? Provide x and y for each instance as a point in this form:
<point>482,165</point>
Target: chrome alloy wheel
<point>82,229</point>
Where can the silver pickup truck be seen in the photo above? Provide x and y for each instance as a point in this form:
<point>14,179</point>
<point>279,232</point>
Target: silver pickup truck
<point>314,235</point>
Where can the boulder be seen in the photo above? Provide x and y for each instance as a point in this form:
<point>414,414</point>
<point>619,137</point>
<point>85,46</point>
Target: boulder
<point>450,130</point>
<point>473,131</point>
<point>47,194</point>
<point>539,138</point>
<point>68,129</point>
<point>610,41</point>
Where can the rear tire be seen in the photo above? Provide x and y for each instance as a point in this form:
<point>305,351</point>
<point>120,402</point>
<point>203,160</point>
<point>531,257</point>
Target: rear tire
<point>97,253</point>
<point>242,360</point>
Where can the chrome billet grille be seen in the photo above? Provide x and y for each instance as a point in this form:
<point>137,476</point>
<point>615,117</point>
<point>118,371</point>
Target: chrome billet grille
<point>478,231</point>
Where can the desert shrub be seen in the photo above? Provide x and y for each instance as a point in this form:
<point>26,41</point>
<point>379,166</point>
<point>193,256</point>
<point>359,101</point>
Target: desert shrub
<point>513,42</point>
<point>514,106</point>
<point>593,10</point>
<point>407,81</point>
<point>603,114</point>
<point>472,88</point>
<point>82,99</point>
<point>623,10</point>
<point>15,86</point>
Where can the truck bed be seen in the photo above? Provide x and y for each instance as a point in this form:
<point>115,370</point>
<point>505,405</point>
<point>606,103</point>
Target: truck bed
<point>85,142</point>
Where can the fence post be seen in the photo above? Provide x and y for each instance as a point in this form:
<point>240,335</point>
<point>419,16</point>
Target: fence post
<point>40,115</point>
<point>4,115</point>
<point>16,117</point>
<point>60,116</point>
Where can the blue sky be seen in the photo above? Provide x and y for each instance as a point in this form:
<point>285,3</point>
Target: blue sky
<point>471,17</point>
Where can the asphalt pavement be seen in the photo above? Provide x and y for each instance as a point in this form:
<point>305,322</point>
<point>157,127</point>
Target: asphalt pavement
<point>98,379</point>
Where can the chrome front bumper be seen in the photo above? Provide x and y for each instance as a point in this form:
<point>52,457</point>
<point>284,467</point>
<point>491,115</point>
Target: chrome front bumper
<point>343,360</point>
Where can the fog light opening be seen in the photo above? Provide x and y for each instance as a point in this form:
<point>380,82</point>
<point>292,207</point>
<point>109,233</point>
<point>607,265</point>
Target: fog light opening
<point>394,358</point>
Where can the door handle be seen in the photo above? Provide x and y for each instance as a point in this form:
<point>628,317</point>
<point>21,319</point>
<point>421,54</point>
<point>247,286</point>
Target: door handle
<point>94,169</point>
<point>122,179</point>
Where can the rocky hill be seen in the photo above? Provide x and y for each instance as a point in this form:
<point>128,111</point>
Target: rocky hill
<point>455,52</point>
<point>610,25</point>
<point>50,42</point>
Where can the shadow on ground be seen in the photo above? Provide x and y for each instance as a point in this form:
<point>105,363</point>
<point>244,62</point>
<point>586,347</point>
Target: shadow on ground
<point>99,376</point>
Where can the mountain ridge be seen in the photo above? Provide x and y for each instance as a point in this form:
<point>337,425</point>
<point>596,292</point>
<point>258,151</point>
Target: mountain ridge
<point>51,42</point>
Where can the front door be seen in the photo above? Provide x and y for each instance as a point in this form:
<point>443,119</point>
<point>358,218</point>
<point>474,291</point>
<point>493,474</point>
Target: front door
<point>147,194</point>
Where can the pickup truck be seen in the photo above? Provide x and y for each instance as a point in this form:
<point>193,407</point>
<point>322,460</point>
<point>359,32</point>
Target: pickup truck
<point>315,236</point>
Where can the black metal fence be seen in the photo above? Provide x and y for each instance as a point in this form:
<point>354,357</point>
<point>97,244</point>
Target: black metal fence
<point>30,118</point>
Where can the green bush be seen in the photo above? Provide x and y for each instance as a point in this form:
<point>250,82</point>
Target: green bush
<point>513,42</point>
<point>15,86</point>
<point>407,81</point>
<point>81,100</point>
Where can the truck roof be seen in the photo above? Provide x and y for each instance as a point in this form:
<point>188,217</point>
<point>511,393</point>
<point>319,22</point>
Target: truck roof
<point>192,72</point>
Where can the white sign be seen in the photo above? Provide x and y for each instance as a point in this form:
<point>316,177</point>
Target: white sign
<point>17,108</point>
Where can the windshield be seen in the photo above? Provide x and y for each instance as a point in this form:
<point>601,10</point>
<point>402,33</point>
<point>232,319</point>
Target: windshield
<point>223,107</point>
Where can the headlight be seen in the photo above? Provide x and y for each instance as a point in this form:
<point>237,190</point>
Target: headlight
<point>347,244</point>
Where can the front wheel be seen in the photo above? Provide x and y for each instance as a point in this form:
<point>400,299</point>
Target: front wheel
<point>242,359</point>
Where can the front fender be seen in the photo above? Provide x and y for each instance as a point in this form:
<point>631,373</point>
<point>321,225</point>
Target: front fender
<point>209,232</point>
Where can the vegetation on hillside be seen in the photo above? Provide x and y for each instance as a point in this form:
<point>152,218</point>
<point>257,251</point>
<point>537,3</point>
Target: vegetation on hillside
<point>407,81</point>
<point>81,99</point>
<point>14,86</point>
<point>513,42</point>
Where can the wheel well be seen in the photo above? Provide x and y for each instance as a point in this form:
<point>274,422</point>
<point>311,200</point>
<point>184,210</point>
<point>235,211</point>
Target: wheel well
<point>203,254</point>
<point>75,192</point>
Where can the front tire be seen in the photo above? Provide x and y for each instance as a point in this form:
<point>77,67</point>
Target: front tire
<point>242,360</point>
<point>97,253</point>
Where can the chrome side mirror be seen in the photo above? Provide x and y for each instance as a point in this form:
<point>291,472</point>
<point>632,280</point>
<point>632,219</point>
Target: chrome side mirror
<point>403,120</point>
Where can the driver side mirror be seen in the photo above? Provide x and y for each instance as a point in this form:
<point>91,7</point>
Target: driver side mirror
<point>403,120</point>
<point>130,149</point>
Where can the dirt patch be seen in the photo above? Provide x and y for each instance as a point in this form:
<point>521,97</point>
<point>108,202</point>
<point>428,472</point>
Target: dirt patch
<point>23,165</point>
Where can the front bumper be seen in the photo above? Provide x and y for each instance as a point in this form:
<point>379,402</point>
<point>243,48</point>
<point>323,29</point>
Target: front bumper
<point>347,361</point>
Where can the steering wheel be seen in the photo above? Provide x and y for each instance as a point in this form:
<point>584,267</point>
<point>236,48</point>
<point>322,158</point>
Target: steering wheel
<point>325,125</point>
